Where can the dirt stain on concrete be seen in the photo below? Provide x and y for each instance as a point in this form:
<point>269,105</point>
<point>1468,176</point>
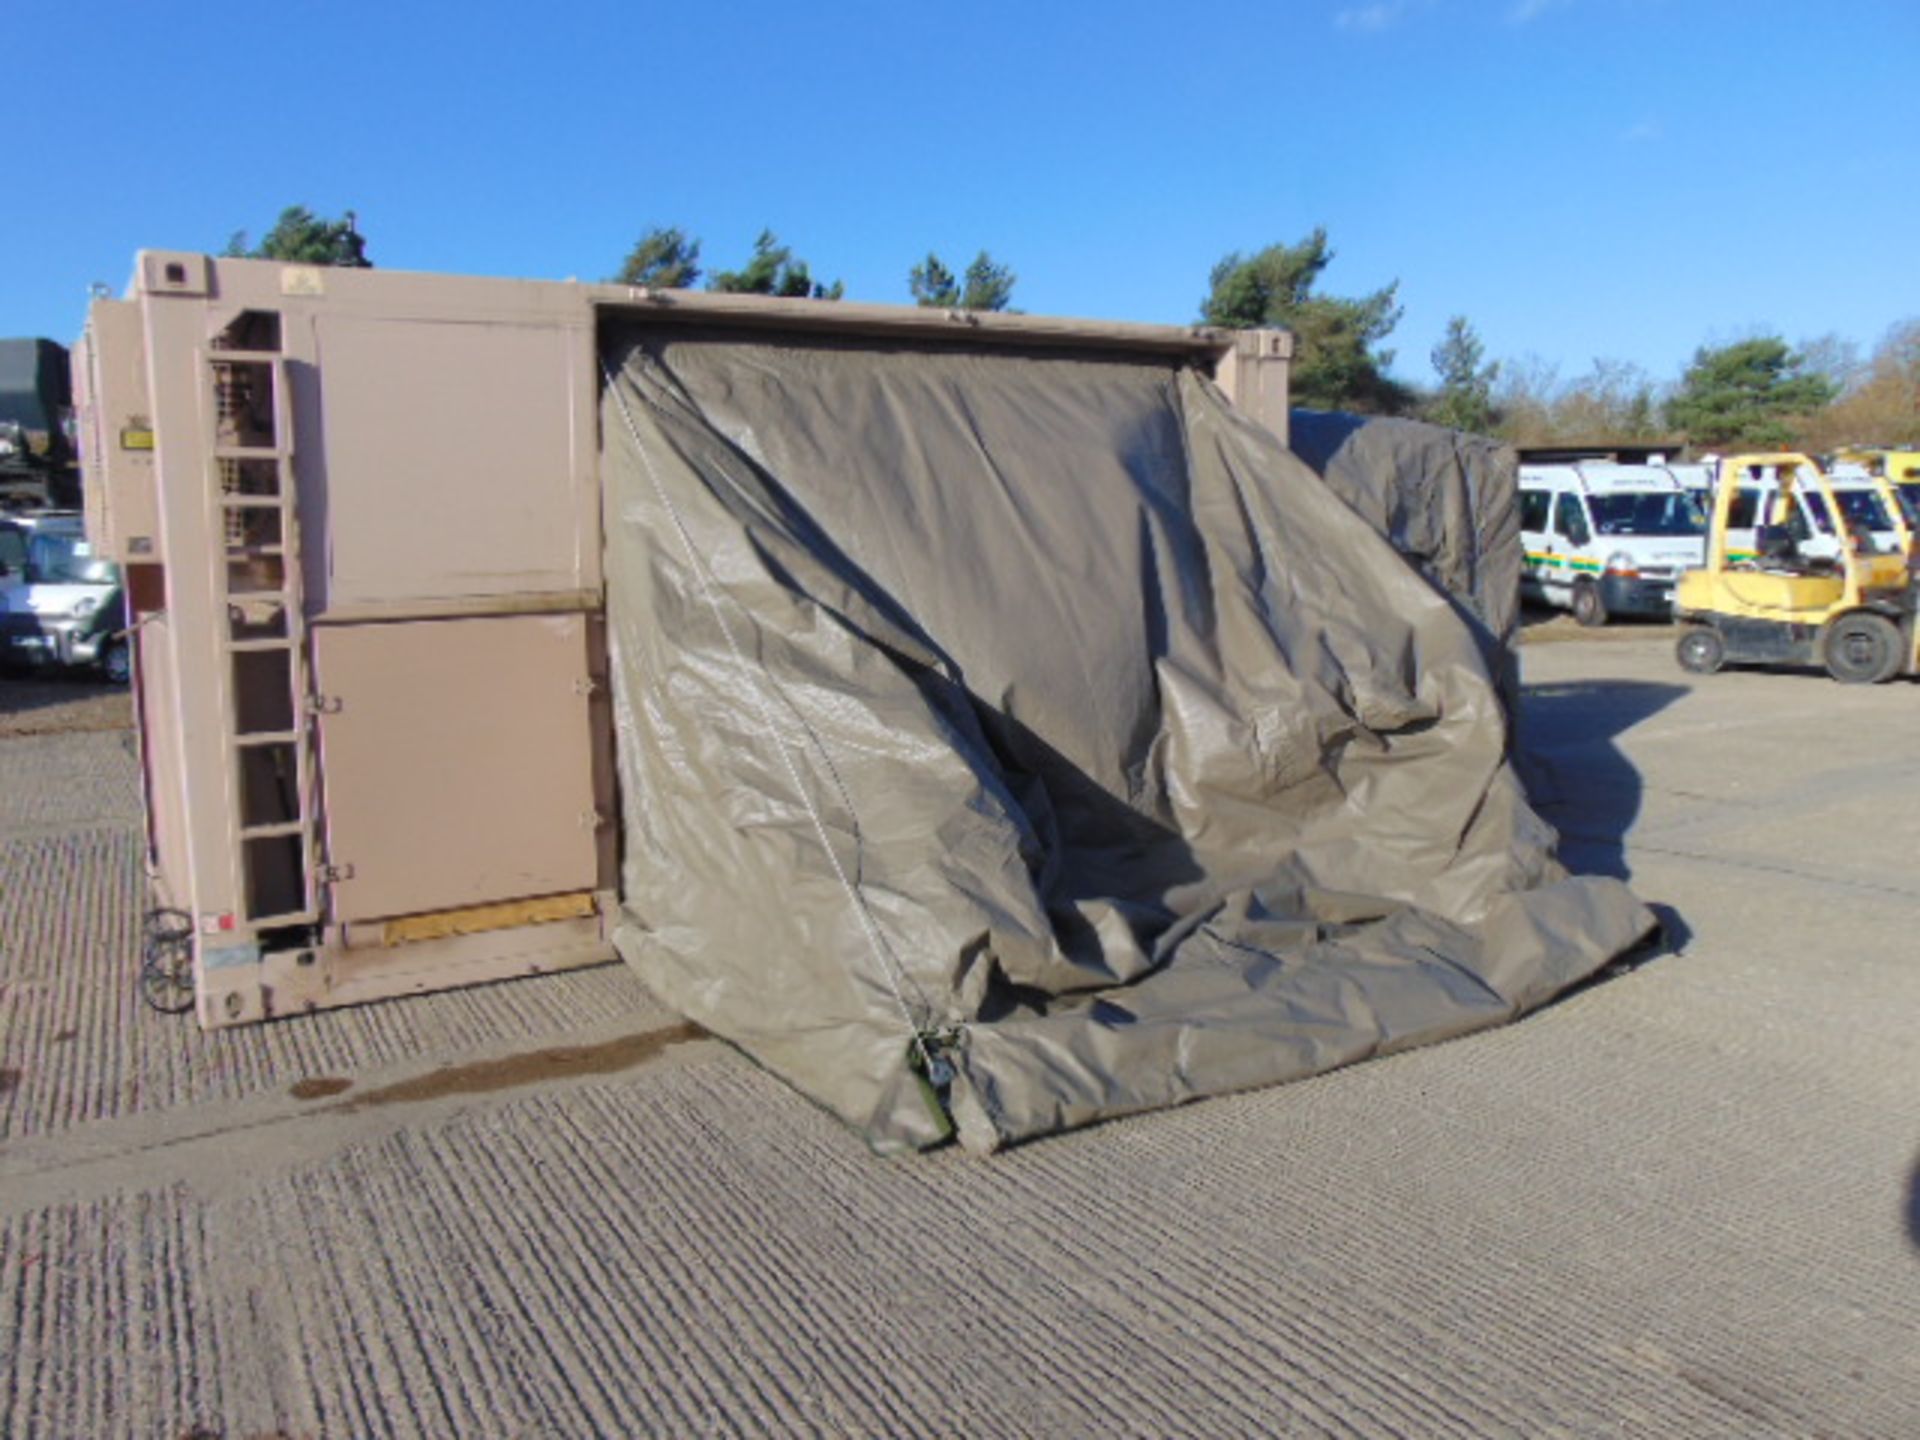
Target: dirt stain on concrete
<point>319,1087</point>
<point>9,1078</point>
<point>484,1077</point>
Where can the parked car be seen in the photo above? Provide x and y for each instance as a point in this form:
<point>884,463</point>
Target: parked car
<point>61,606</point>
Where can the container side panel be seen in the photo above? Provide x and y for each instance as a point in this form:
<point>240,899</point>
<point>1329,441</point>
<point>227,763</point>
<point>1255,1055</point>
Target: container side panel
<point>116,433</point>
<point>158,685</point>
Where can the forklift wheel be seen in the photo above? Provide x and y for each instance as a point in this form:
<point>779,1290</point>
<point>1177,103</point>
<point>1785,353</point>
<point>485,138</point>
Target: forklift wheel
<point>1863,649</point>
<point>1589,608</point>
<point>1701,651</point>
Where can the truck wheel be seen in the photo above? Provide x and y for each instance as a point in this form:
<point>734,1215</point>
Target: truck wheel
<point>1588,608</point>
<point>1863,649</point>
<point>116,663</point>
<point>1701,651</point>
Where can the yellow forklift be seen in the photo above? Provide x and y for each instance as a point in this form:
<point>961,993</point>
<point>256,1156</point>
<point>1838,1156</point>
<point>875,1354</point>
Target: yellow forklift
<point>1852,612</point>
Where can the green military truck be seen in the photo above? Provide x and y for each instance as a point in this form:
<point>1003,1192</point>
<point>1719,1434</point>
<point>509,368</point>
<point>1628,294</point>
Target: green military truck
<point>37,463</point>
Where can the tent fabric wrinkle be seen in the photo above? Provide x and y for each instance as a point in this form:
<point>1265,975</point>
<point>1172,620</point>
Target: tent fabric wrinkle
<point>1012,740</point>
<point>1447,501</point>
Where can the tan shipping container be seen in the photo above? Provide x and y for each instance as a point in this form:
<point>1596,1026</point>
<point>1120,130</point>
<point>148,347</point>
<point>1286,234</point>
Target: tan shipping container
<point>360,514</point>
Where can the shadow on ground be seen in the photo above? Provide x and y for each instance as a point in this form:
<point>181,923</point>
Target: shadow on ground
<point>34,704</point>
<point>1579,780</point>
<point>1575,773</point>
<point>23,690</point>
<point>1535,616</point>
<point>1913,1205</point>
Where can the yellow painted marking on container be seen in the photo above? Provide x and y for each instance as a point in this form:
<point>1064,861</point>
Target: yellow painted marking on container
<point>476,919</point>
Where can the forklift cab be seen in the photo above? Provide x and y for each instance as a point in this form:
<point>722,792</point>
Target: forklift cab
<point>1776,545</point>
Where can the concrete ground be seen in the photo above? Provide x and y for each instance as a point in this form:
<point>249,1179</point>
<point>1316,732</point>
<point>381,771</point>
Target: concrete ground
<point>1682,1201</point>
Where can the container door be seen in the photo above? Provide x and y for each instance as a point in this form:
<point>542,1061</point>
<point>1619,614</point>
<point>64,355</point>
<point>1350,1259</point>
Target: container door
<point>459,464</point>
<point>456,763</point>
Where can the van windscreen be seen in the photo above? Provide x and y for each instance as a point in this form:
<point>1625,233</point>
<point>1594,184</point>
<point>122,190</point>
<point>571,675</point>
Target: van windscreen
<point>1861,507</point>
<point>1671,512</point>
<point>55,559</point>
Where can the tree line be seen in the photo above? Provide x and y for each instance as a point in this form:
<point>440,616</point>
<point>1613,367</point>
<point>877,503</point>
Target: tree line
<point>667,258</point>
<point>1758,392</point>
<point>1755,393</point>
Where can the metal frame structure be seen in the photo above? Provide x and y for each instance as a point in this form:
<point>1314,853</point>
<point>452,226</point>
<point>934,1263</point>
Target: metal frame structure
<point>359,515</point>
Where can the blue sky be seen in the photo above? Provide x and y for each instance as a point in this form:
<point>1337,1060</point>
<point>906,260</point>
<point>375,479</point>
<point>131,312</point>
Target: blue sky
<point>1580,178</point>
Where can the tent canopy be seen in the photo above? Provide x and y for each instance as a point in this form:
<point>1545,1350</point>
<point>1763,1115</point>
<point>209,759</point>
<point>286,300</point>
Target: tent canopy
<point>1011,740</point>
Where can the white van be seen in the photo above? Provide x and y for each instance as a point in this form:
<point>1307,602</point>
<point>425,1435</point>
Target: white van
<point>1604,539</point>
<point>1900,469</point>
<point>1697,478</point>
<point>1807,523</point>
<point>61,606</point>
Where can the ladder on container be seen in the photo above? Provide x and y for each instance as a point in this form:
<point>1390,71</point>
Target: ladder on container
<point>269,734</point>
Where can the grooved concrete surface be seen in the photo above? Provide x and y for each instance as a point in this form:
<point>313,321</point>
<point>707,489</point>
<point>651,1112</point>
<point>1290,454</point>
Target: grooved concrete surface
<point>1685,1201</point>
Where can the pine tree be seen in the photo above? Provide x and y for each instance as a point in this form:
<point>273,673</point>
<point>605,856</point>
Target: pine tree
<point>664,258</point>
<point>1465,401</point>
<point>772,270</point>
<point>1745,394</point>
<point>1337,364</point>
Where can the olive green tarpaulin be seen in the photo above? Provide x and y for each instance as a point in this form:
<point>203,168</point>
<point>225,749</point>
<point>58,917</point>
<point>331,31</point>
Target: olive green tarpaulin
<point>1449,502</point>
<point>1012,740</point>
